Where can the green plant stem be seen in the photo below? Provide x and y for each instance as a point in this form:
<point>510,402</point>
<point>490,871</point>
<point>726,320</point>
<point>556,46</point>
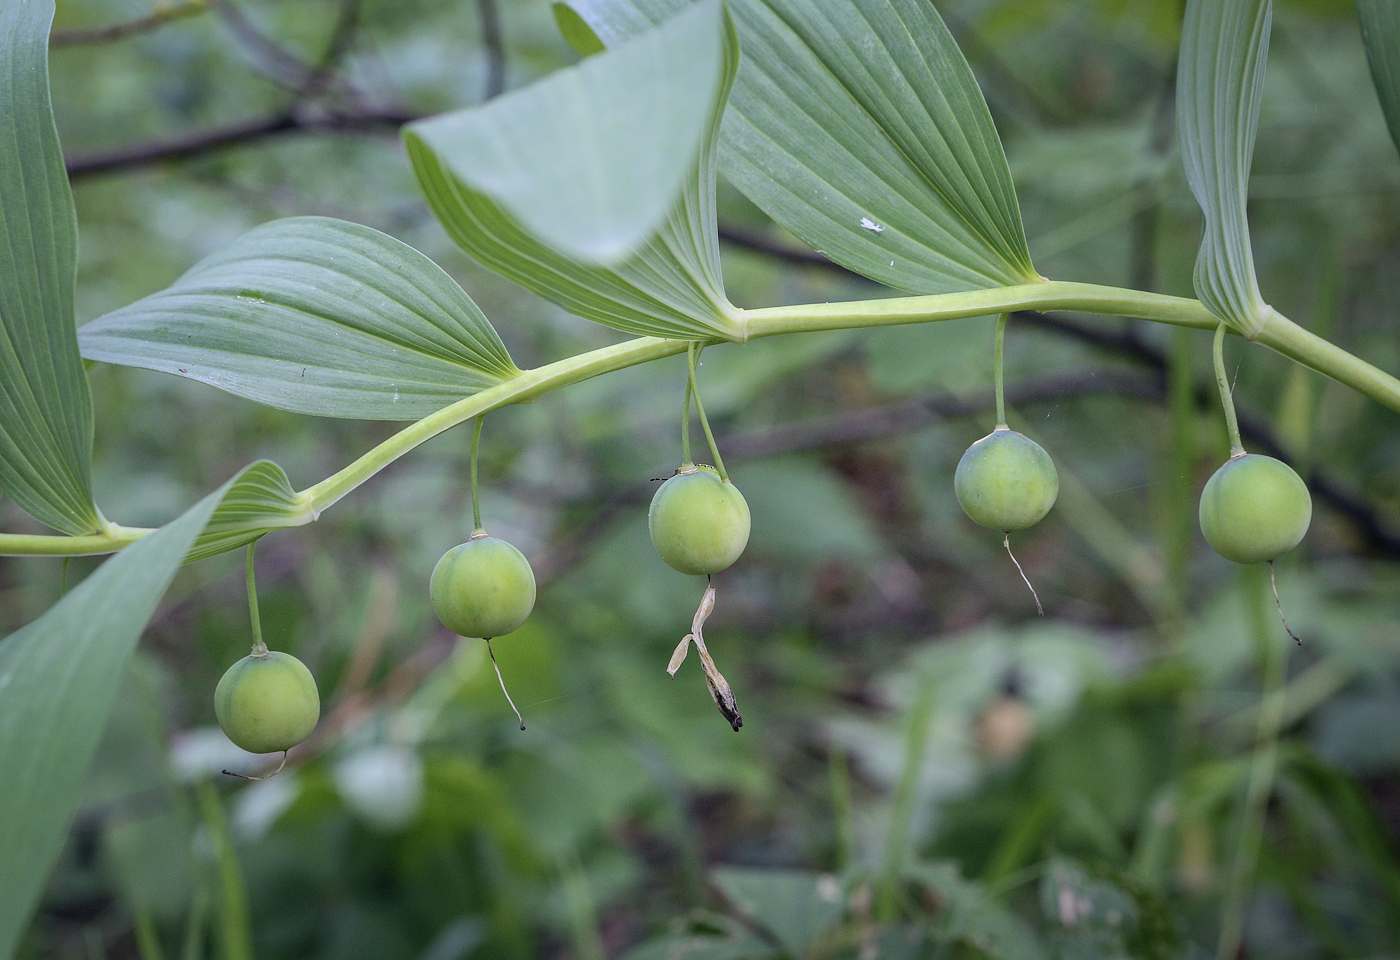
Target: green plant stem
<point>1262,767</point>
<point>686,461</point>
<point>1181,509</point>
<point>1227,399</point>
<point>147,940</point>
<point>692,357</point>
<point>476,500</point>
<point>842,807</point>
<point>1278,333</point>
<point>259,648</point>
<point>114,538</point>
<point>997,374</point>
<point>233,899</point>
<point>906,794</point>
<point>194,925</point>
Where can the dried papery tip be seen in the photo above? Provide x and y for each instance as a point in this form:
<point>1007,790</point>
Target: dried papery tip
<point>719,688</point>
<point>503,685</point>
<point>1006,541</point>
<point>265,776</point>
<point>1273,581</point>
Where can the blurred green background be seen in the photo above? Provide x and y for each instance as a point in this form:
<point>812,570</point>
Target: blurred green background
<point>926,769</point>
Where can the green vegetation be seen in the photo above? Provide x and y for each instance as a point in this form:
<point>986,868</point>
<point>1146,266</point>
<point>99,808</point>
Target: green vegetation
<point>311,237</point>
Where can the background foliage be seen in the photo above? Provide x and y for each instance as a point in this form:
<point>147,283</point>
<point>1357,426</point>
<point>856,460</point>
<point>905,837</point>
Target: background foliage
<point>925,767</point>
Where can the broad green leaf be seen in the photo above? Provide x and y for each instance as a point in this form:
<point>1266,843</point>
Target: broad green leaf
<point>260,499</point>
<point>1220,78</point>
<point>972,914</point>
<point>517,225</point>
<point>579,34</point>
<point>315,316</point>
<point>58,680</point>
<point>45,404</point>
<point>1380,29</point>
<point>795,906</point>
<point>858,126</point>
<point>590,159</point>
<point>697,946</point>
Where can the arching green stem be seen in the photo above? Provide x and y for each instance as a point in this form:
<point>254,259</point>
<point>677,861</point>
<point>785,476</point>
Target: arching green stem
<point>259,648</point>
<point>686,461</point>
<point>997,375</point>
<point>476,500</point>
<point>1278,333</point>
<point>692,357</point>
<point>1227,399</point>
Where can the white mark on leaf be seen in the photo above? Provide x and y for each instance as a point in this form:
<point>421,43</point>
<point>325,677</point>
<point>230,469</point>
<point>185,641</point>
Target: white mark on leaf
<point>871,225</point>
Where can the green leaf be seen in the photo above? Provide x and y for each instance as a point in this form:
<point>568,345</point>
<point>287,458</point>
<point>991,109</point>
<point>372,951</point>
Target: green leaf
<point>315,316</point>
<point>45,404</point>
<point>58,680</point>
<point>970,913</point>
<point>699,947</point>
<point>547,225</point>
<point>795,906</point>
<point>579,34</point>
<point>858,126</point>
<point>1220,78</point>
<point>1380,29</point>
<point>259,500</point>
<point>590,159</point>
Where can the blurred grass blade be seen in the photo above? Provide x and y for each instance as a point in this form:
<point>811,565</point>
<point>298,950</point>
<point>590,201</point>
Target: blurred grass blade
<point>260,499</point>
<point>45,404</point>
<point>858,126</point>
<point>58,680</point>
<point>234,926</point>
<point>315,316</point>
<point>1380,29</point>
<point>644,207</point>
<point>1220,78</point>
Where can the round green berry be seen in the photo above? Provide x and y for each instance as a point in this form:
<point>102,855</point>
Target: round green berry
<point>699,523</point>
<point>1006,481</point>
<point>1254,508</point>
<point>267,704</point>
<point>483,588</point>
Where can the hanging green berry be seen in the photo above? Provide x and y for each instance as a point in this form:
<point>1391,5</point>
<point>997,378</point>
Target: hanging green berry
<point>483,588</point>
<point>267,702</point>
<point>1254,508</point>
<point>1006,481</point>
<point>699,524</point>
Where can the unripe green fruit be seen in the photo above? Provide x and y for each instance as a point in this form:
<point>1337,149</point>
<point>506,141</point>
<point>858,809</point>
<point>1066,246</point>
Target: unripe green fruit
<point>483,588</point>
<point>1006,481</point>
<point>1254,508</point>
<point>699,523</point>
<point>267,704</point>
